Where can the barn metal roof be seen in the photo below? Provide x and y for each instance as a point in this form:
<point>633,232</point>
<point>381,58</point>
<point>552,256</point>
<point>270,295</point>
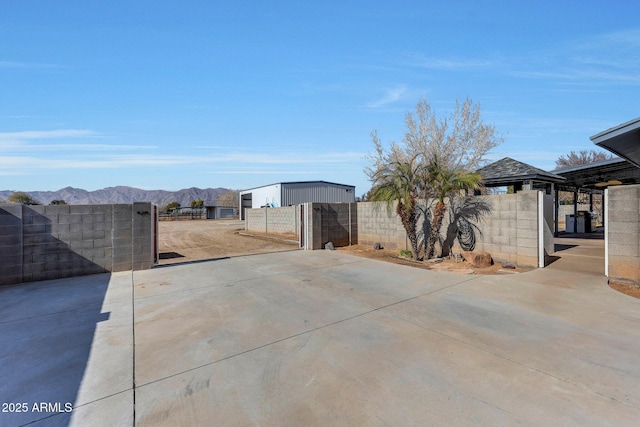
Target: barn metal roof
<point>299,182</point>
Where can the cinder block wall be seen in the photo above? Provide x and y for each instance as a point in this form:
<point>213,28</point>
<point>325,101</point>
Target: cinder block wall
<point>284,220</point>
<point>255,220</point>
<point>378,222</point>
<point>50,242</point>
<point>510,231</point>
<point>623,229</point>
<point>333,222</point>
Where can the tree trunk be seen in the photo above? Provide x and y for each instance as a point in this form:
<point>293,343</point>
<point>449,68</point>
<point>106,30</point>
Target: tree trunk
<point>413,239</point>
<point>409,219</point>
<point>436,224</point>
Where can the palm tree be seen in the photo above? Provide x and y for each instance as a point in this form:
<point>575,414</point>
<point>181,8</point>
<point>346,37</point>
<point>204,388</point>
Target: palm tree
<point>399,181</point>
<point>444,182</point>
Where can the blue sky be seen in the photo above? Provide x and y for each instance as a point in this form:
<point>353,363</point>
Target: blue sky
<point>237,94</point>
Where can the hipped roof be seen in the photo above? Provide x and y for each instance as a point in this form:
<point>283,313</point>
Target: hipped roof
<point>507,171</point>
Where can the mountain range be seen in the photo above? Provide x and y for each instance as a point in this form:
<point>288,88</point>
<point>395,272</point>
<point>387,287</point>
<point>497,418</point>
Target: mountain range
<point>123,194</point>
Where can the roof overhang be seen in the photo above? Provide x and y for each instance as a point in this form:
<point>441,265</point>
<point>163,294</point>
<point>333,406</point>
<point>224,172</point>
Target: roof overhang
<point>596,176</point>
<point>623,140</point>
<point>510,180</point>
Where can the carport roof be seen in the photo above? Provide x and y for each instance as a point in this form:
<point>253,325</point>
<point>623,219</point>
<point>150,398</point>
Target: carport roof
<point>597,175</point>
<point>507,171</point>
<point>623,140</point>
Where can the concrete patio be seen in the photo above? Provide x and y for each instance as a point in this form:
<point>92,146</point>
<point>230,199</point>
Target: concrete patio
<point>319,338</point>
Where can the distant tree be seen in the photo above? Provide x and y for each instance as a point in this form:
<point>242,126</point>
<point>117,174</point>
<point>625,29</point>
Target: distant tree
<point>171,206</point>
<point>583,157</point>
<point>23,199</point>
<point>197,204</point>
<point>228,198</point>
<point>58,202</point>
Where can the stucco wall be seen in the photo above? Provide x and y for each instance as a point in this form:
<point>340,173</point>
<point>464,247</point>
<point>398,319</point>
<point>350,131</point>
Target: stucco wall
<point>50,242</point>
<point>623,229</point>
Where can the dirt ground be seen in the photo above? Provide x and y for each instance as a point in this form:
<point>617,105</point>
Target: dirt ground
<point>461,266</point>
<point>195,240</point>
<point>627,289</point>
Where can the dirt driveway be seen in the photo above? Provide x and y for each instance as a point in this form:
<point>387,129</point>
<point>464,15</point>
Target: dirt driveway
<point>183,241</point>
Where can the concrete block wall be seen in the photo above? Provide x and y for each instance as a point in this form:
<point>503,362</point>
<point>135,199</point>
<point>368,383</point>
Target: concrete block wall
<point>284,220</point>
<point>510,231</point>
<point>50,242</point>
<point>10,244</point>
<point>377,222</point>
<point>334,222</point>
<point>623,233</point>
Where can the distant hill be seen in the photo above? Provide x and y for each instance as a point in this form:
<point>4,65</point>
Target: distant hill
<point>122,194</point>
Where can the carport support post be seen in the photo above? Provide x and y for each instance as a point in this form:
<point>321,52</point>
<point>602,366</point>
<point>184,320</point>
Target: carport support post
<point>540,229</point>
<point>575,211</point>
<point>605,223</point>
<point>556,204</point>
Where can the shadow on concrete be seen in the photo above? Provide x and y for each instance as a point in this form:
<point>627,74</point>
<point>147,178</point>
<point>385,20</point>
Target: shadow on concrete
<point>596,235</point>
<point>558,247</point>
<point>170,255</point>
<point>198,261</point>
<point>47,330</point>
<point>550,259</point>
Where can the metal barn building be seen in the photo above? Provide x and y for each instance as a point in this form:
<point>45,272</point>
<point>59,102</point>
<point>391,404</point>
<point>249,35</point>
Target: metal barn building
<point>293,193</point>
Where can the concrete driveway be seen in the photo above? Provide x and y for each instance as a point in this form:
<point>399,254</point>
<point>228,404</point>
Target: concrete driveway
<point>319,338</point>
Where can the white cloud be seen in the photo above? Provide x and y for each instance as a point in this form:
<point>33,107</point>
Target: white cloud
<point>390,96</point>
<point>602,59</point>
<point>46,134</point>
<point>449,64</point>
<point>87,161</point>
<point>30,141</point>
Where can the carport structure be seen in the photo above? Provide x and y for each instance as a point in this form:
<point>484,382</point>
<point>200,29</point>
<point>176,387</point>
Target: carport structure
<point>591,178</point>
<point>594,178</point>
